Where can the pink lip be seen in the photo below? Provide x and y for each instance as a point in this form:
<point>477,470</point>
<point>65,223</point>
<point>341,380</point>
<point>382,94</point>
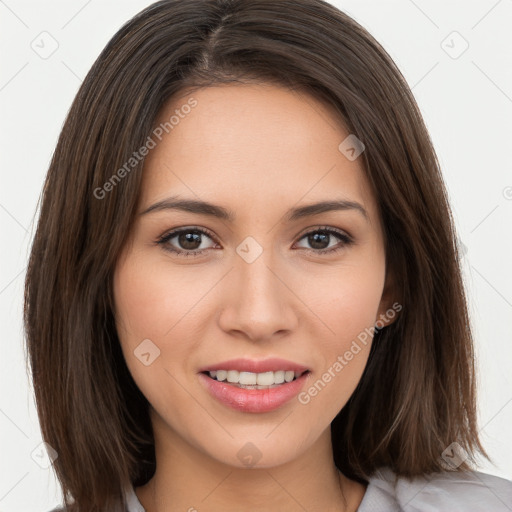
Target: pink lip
<point>253,400</point>
<point>248,365</point>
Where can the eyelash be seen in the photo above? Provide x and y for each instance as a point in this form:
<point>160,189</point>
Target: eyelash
<point>164,239</point>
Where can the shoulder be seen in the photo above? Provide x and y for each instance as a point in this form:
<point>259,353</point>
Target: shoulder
<point>467,491</point>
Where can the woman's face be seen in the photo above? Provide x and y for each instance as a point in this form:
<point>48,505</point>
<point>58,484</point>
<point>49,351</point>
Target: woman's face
<point>263,286</point>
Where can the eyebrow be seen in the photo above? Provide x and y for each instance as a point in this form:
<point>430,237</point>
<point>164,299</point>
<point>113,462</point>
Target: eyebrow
<point>293,214</point>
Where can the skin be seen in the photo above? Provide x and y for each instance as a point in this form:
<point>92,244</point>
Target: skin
<point>257,150</point>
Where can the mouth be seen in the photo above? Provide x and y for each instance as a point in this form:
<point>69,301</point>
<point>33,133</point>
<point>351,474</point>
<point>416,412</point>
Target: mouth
<point>251,380</point>
<point>254,386</point>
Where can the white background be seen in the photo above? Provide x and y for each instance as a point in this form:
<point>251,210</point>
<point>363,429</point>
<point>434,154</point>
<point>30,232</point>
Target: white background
<point>466,103</point>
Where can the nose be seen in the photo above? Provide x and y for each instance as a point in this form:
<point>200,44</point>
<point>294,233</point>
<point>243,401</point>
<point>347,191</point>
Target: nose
<point>258,300</point>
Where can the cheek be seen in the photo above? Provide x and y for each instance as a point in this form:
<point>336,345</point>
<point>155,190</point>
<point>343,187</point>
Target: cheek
<point>350,309</point>
<point>150,300</point>
<point>346,302</point>
<point>157,303</point>
<point>148,306</point>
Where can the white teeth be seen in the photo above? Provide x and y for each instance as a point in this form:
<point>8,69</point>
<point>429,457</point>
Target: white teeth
<point>279,377</point>
<point>221,375</point>
<point>247,378</point>
<point>264,379</point>
<point>254,379</point>
<point>233,376</point>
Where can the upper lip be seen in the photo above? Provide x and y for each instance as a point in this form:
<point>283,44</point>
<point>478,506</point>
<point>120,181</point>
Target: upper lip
<point>254,366</point>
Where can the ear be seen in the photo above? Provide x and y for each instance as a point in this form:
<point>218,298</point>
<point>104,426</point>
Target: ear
<point>389,305</point>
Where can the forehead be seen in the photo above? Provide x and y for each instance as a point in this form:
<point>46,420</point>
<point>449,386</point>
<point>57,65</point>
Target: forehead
<point>252,148</point>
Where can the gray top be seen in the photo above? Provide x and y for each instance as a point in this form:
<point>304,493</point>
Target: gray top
<point>440,492</point>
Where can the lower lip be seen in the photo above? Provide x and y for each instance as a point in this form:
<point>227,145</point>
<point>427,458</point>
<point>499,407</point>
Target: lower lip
<point>253,400</point>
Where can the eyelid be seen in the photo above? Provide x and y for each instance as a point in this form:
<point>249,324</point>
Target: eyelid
<point>176,231</point>
<point>332,229</point>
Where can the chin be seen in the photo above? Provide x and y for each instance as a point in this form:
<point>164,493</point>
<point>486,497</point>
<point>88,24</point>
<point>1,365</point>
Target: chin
<point>259,451</point>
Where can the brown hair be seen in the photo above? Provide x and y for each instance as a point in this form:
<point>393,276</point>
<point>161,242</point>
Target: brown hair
<point>417,393</point>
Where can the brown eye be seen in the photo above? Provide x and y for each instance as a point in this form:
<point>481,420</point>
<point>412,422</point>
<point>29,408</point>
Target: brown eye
<point>188,241</point>
<point>320,239</point>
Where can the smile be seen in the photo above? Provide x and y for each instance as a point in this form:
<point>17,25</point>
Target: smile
<point>254,398</point>
<point>250,380</point>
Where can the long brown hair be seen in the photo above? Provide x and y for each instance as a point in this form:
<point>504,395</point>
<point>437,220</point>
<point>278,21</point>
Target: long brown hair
<point>417,393</point>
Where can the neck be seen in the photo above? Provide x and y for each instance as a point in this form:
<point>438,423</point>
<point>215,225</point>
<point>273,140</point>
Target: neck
<point>187,479</point>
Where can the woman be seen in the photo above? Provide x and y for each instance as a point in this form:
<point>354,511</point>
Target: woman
<point>256,301</point>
